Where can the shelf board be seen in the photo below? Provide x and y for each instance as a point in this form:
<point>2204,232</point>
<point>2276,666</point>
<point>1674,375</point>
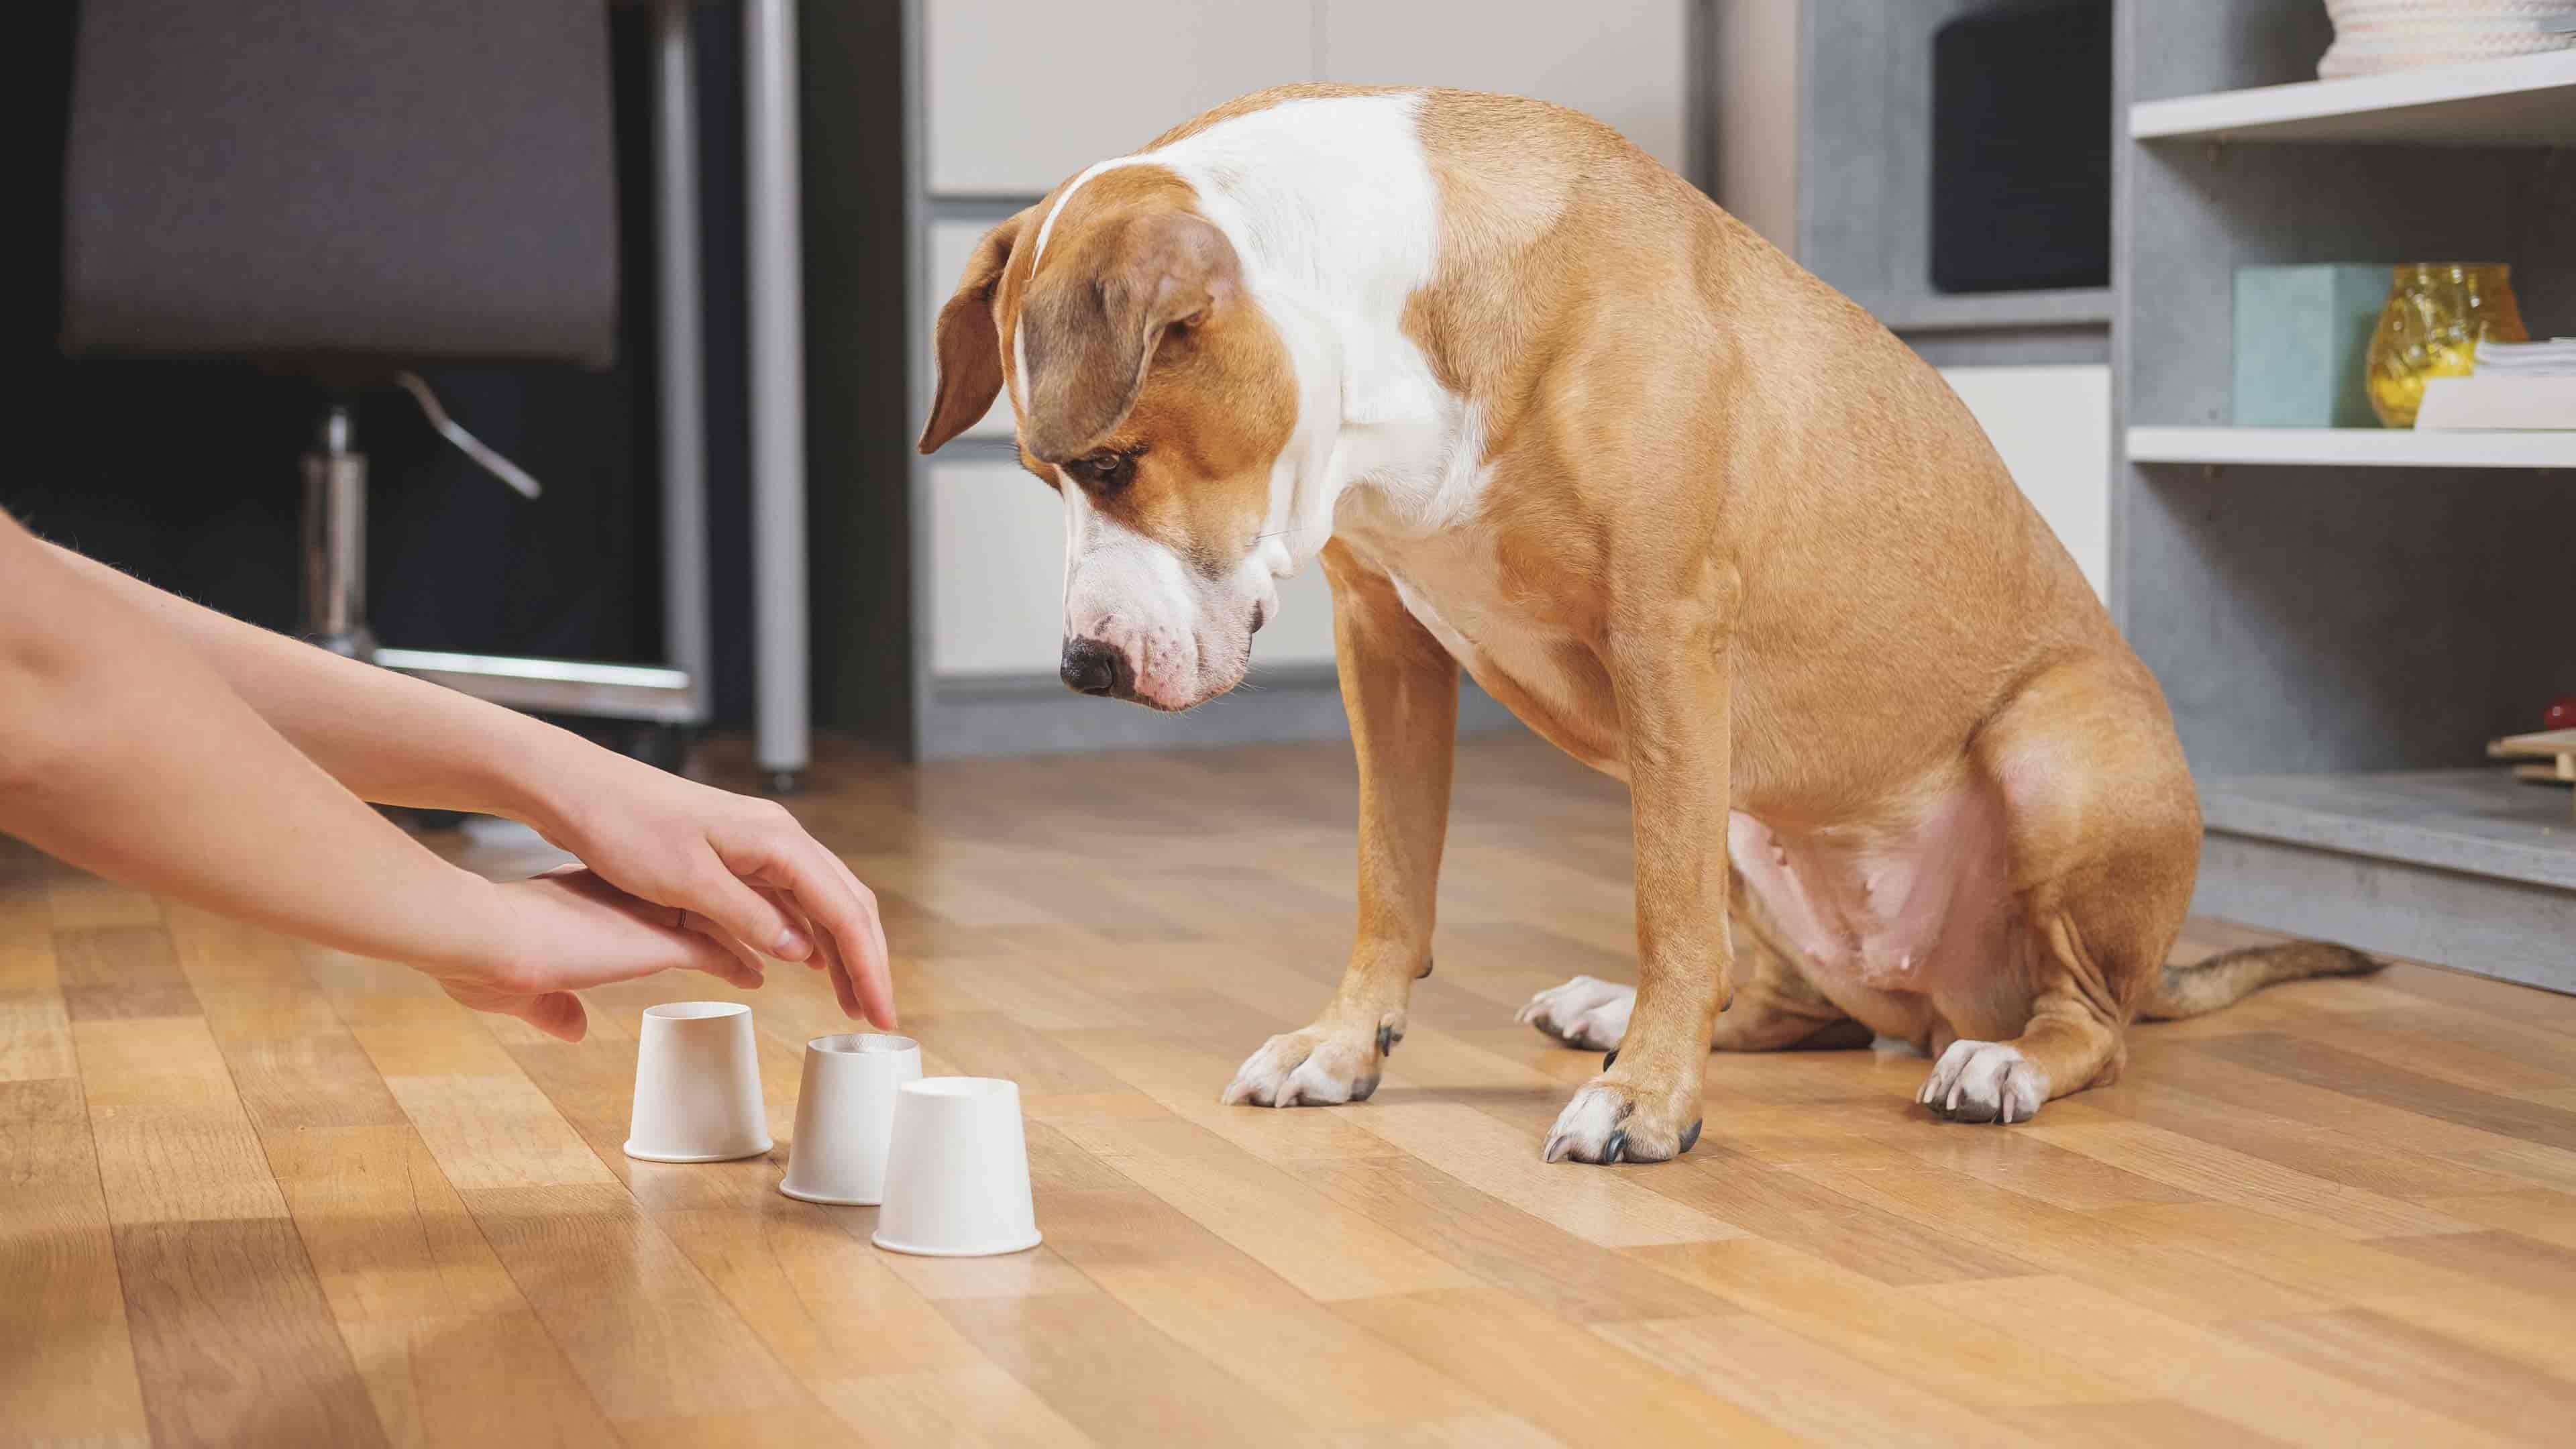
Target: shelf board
<point>2354,447</point>
<point>1968,312</point>
<point>2522,100</point>
<point>2481,822</point>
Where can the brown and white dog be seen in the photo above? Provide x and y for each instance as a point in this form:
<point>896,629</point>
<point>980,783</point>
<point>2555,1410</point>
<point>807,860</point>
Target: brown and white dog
<point>1546,412</point>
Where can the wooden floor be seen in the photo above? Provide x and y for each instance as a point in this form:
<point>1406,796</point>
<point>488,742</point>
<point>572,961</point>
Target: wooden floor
<point>253,1192</point>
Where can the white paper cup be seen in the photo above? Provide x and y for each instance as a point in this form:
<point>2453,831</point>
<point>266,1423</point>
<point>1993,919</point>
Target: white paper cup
<point>957,1174</point>
<point>697,1085</point>
<point>845,1116</point>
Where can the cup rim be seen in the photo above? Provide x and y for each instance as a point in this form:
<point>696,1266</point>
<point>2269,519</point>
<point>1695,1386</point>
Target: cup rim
<point>964,1088</point>
<point>695,1010</point>
<point>863,1044</point>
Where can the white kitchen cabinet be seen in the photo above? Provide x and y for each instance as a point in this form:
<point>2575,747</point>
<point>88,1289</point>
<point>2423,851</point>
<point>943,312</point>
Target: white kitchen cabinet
<point>1619,60</point>
<point>1020,94</point>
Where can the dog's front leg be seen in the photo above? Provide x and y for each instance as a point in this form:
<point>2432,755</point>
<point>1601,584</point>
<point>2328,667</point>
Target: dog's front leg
<point>1401,691</point>
<point>1668,662</point>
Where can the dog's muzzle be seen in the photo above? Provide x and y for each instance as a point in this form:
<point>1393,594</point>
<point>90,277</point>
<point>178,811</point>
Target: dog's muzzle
<point>1092,667</point>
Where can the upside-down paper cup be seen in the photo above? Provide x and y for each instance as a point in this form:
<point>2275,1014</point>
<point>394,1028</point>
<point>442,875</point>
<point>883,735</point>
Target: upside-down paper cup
<point>845,1116</point>
<point>697,1085</point>
<point>957,1174</point>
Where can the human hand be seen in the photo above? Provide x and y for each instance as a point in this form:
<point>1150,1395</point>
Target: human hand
<point>741,865</point>
<point>568,929</point>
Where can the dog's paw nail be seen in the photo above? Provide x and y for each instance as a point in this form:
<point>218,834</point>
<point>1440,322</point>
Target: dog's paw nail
<point>1690,1137</point>
<point>1557,1147</point>
<point>1363,1089</point>
<point>1609,1059</point>
<point>1617,1144</point>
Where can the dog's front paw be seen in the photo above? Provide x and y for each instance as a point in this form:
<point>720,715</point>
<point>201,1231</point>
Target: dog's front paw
<point>1319,1066</point>
<point>1984,1081</point>
<point>1586,1012</point>
<point>1613,1120</point>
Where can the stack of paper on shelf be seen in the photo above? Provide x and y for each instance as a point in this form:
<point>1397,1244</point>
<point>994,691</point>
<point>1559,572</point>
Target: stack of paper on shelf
<point>2516,385</point>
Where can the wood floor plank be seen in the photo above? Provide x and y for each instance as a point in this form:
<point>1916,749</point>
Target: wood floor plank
<point>655,1343</point>
<point>2407,1361</point>
<point>828,1306</point>
<point>35,1028</point>
<point>1324,1249</point>
<point>975,1403</point>
<point>233,1339</point>
<point>2322,1152</point>
<point>2335,1272</point>
<point>1599,1207</point>
<point>1564,1379</point>
<point>2139,1424</point>
<point>68,1370</point>
<point>2540,1213</point>
<point>77,902</point>
<point>1176,1275</point>
<point>2373,1079</point>
<point>1576,1280</point>
<point>174,1142</point>
<point>1899,1337</point>
<point>2198,1366</point>
<point>496,1132</point>
<point>113,972</point>
<point>2247,1087</point>
<point>1804,1387</point>
<point>2154,1271</point>
<point>2221,1173</point>
<point>1087,1356</point>
<point>1779,1205</point>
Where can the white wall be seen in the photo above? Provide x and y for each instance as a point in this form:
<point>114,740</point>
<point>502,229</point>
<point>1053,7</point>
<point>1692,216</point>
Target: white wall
<point>2053,427</point>
<point>1757,115</point>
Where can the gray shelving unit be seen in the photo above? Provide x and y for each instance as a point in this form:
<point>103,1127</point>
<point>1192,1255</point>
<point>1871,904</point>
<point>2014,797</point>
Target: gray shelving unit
<point>2338,641</point>
<point>2340,620</point>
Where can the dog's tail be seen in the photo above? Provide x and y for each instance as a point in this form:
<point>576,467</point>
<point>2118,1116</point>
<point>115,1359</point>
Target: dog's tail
<point>2205,986</point>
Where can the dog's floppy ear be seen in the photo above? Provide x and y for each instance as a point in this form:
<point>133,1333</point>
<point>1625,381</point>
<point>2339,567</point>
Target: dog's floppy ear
<point>968,347</point>
<point>1091,324</point>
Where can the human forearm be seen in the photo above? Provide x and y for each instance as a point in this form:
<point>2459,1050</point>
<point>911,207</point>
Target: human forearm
<point>744,865</point>
<point>384,736</point>
<point>121,752</point>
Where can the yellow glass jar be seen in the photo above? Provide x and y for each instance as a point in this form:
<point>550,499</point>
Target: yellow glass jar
<point>2437,313</point>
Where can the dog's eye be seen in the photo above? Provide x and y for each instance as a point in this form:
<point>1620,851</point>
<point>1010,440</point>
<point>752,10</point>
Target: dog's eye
<point>1104,470</point>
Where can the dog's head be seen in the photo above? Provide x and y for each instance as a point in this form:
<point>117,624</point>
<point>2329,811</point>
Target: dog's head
<point>1157,395</point>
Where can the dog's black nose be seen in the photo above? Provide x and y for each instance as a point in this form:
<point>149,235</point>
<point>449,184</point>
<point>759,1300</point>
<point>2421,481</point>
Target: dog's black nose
<point>1091,667</point>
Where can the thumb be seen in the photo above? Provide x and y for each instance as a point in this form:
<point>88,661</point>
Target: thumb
<point>557,1014</point>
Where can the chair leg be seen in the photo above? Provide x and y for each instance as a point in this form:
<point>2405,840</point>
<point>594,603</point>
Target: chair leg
<point>335,540</point>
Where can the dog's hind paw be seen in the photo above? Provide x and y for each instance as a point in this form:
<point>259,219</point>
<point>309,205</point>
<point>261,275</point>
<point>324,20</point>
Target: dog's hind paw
<point>1585,1013</point>
<point>1984,1081</point>
<point>1319,1066</point>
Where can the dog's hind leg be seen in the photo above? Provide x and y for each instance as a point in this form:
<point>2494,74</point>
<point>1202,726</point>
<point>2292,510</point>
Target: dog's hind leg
<point>2105,841</point>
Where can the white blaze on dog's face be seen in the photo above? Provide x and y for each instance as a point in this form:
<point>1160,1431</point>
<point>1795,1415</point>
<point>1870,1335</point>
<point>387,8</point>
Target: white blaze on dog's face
<point>1155,395</point>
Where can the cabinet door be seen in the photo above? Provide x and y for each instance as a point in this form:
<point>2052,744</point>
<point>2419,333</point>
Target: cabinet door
<point>944,261</point>
<point>1024,93</point>
<point>997,581</point>
<point>1618,60</point>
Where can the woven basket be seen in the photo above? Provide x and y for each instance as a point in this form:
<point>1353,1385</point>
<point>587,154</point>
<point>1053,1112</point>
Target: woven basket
<point>2376,36</point>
